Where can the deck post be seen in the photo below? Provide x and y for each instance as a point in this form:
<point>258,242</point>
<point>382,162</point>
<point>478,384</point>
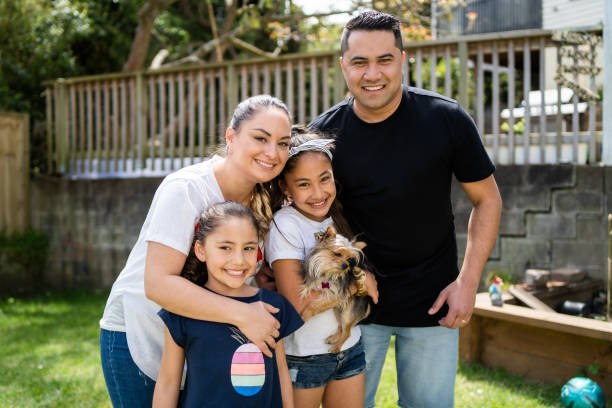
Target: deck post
<point>607,90</point>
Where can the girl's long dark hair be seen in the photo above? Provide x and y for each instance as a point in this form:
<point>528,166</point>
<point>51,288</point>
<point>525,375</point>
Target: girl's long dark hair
<point>299,136</point>
<point>214,216</point>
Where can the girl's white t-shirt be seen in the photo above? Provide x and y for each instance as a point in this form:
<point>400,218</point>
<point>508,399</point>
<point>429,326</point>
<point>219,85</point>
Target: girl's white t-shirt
<point>176,206</point>
<point>292,236</point>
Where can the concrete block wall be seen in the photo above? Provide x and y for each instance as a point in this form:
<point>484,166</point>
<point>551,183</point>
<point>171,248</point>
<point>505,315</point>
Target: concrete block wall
<point>92,226</point>
<point>553,216</point>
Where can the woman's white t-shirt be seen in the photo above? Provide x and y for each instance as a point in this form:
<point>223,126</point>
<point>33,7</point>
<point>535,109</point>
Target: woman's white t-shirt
<point>292,236</point>
<point>178,202</point>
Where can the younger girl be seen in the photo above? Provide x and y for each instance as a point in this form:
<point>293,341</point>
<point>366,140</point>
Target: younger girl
<point>307,182</point>
<point>223,368</point>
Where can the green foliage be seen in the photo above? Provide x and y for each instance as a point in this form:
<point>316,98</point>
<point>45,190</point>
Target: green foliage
<point>43,40</point>
<point>23,259</point>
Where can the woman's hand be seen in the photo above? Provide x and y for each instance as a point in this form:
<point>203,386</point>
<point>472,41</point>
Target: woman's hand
<point>260,326</point>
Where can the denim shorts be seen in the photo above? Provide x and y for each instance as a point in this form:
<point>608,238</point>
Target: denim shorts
<point>316,371</point>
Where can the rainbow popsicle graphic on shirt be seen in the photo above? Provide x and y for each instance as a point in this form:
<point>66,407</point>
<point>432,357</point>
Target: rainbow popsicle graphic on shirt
<point>248,370</point>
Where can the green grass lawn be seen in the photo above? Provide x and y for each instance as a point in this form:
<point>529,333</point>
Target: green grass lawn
<point>49,357</point>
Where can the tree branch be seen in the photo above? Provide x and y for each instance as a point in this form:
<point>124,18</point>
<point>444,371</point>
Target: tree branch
<point>140,45</point>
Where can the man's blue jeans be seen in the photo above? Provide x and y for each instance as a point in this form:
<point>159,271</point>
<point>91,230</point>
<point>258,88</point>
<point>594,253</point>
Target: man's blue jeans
<point>426,362</point>
<point>127,386</point>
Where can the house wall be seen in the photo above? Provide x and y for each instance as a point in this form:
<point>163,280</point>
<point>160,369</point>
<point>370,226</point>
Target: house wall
<point>565,14</point>
<point>553,216</point>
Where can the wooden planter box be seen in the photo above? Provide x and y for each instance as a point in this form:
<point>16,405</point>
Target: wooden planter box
<point>541,346</point>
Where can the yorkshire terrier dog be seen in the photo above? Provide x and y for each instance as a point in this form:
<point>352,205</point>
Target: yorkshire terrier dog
<point>332,267</point>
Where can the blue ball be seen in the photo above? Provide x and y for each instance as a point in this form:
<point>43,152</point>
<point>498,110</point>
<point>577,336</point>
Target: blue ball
<point>580,392</point>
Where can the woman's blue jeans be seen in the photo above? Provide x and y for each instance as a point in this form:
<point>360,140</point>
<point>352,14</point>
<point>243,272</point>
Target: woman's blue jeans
<point>426,362</point>
<point>127,386</point>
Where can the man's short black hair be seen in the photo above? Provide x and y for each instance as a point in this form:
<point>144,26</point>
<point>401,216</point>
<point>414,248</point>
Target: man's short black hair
<point>372,21</point>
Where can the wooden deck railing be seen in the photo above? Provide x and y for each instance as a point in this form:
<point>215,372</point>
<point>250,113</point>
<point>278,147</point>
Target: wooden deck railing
<point>154,122</point>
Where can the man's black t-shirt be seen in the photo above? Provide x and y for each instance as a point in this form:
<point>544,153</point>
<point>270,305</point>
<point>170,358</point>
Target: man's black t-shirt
<point>395,179</point>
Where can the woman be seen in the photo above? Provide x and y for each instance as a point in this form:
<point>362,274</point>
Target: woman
<point>131,337</point>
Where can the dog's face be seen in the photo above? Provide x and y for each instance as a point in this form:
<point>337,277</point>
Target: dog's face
<point>334,256</point>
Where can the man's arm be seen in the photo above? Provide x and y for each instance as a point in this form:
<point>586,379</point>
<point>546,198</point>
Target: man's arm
<point>460,295</point>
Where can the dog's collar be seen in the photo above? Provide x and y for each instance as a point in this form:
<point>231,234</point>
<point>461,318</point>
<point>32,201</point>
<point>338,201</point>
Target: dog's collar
<point>324,285</point>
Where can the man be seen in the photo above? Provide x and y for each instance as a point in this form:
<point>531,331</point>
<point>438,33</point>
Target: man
<point>397,149</point>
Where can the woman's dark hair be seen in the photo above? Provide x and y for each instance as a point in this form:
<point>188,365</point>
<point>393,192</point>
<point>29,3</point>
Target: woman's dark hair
<point>372,21</point>
<point>215,215</point>
<point>250,106</point>
<point>300,135</point>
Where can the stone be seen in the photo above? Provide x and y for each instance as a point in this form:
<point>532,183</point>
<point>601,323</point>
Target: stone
<point>567,275</point>
<point>537,278</point>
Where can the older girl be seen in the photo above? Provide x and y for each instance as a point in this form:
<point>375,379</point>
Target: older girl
<point>131,338</point>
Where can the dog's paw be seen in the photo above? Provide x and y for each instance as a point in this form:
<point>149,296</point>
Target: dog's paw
<point>333,339</point>
<point>335,349</point>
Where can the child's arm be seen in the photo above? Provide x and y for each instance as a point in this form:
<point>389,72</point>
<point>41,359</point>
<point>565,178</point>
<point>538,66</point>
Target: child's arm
<point>289,282</point>
<point>283,375</point>
<point>170,374</point>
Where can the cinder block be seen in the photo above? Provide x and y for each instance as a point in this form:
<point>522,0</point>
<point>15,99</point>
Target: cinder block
<point>509,175</point>
<point>578,201</point>
<point>567,274</point>
<point>527,198</point>
<point>512,223</point>
<point>537,278</point>
<point>561,175</point>
<point>591,227</point>
<point>578,254</point>
<point>551,226</point>
<point>526,252</point>
<point>590,178</point>
<point>461,220</point>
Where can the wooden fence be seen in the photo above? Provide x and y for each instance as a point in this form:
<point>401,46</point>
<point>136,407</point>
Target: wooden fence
<point>157,121</point>
<point>14,172</point>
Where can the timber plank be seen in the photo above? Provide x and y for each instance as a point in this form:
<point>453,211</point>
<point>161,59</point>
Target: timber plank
<point>546,343</point>
<point>564,323</point>
<point>530,300</point>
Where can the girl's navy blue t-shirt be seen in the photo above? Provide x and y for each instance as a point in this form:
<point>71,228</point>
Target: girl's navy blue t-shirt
<point>224,369</point>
